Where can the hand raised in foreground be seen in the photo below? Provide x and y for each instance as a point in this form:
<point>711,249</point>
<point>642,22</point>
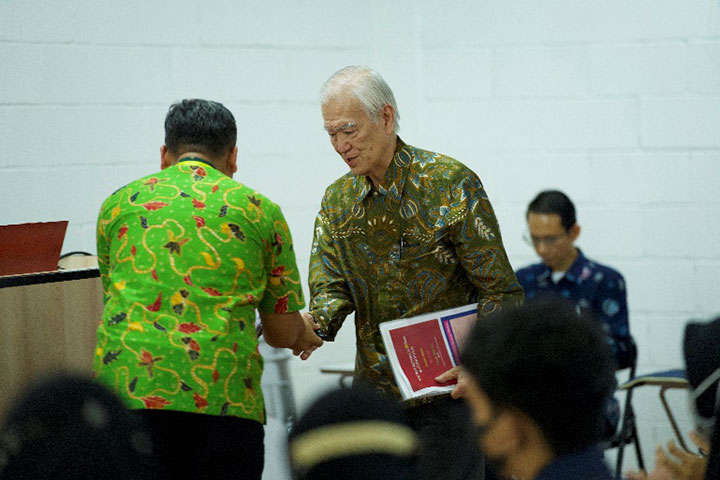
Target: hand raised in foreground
<point>676,463</point>
<point>308,341</point>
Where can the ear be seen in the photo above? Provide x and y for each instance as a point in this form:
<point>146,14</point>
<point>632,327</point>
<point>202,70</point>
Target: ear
<point>165,160</point>
<point>232,160</point>
<point>388,118</point>
<point>574,232</point>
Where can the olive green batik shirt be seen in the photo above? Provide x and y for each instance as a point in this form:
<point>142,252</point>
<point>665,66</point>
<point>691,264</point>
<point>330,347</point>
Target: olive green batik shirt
<point>427,239</point>
<point>186,257</point>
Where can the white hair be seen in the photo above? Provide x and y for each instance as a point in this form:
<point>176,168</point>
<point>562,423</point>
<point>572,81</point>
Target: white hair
<point>364,84</point>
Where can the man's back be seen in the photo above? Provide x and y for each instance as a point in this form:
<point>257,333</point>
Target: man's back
<point>186,256</point>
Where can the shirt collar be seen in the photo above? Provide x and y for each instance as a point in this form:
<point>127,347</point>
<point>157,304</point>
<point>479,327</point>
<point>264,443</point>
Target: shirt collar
<point>576,272</point>
<point>393,183</point>
<point>195,159</point>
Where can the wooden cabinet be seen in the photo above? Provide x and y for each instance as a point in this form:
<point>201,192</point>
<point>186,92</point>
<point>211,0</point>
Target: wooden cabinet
<point>48,322</point>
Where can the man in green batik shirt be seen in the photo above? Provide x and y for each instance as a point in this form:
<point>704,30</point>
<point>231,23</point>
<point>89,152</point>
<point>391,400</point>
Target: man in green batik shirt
<point>406,231</point>
<point>186,256</point>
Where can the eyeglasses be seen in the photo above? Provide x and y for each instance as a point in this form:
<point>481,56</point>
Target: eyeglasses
<point>548,240</point>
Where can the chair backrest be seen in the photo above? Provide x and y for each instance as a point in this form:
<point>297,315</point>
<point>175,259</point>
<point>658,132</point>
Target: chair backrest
<point>630,361</point>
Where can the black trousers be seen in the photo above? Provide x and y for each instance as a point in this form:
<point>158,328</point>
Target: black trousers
<point>190,445</point>
<point>449,442</point>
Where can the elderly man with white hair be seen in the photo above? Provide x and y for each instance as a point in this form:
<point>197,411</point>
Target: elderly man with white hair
<point>407,231</point>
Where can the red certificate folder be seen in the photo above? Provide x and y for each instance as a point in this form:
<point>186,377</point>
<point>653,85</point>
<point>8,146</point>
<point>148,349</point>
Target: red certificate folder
<point>421,348</point>
<point>31,247</point>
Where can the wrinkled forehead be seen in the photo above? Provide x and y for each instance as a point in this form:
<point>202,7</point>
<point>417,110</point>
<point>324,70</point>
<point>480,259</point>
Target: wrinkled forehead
<point>342,113</point>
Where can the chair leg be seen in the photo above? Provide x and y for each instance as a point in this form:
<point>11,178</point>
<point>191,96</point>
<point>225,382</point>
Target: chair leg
<point>638,450</point>
<point>618,464</point>
<point>628,433</point>
<point>670,416</point>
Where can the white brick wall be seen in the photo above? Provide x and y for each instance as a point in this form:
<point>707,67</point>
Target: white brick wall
<point>4,125</point>
<point>638,69</point>
<point>541,71</point>
<point>705,67</point>
<point>680,122</point>
<point>615,102</point>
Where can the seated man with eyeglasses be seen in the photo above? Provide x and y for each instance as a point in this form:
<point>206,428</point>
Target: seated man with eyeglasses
<point>593,288</point>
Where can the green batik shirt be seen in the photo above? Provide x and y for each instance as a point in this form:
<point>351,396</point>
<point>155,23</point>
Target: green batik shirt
<point>186,255</point>
<point>427,239</point>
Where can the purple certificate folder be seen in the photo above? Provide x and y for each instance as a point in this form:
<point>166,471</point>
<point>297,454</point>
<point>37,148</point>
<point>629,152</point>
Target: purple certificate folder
<point>457,327</point>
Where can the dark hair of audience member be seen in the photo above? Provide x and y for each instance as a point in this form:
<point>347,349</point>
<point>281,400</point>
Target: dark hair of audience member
<point>554,202</point>
<point>202,126</point>
<point>713,467</point>
<point>71,427</point>
<point>352,434</point>
<point>549,363</point>
<point>701,349</point>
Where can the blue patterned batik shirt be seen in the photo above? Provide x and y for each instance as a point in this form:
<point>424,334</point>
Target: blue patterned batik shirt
<point>593,288</point>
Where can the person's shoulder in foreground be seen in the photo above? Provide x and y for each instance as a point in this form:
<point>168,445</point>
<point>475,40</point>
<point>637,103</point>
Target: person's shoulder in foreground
<point>537,378</point>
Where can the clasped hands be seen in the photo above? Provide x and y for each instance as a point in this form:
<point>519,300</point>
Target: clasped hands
<point>308,341</point>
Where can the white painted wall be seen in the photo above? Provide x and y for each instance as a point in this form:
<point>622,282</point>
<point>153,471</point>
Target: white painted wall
<point>616,102</point>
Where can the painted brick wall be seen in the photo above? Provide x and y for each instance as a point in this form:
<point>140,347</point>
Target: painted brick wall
<point>615,102</point>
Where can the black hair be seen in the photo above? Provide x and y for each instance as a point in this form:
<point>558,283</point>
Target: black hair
<point>202,126</point>
<point>546,361</point>
<point>712,471</point>
<point>69,426</point>
<point>554,201</point>
<point>702,358</point>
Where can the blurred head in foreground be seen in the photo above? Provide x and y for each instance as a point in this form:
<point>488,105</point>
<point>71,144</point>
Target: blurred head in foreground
<point>537,379</point>
<point>352,433</point>
<point>701,347</point>
<point>72,427</point>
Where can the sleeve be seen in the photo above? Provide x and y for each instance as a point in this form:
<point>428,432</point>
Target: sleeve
<point>330,297</point>
<point>612,311</point>
<point>479,247</point>
<point>283,289</point>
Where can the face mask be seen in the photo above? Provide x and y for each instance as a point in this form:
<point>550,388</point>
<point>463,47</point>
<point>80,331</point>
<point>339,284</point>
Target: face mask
<point>705,425</point>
